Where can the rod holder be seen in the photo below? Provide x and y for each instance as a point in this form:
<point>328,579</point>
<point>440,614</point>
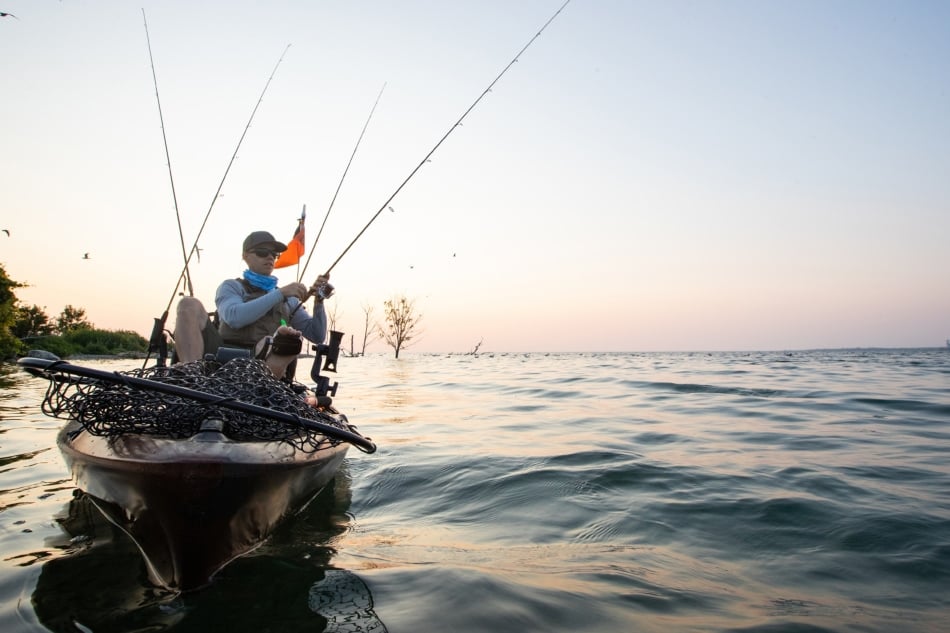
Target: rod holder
<point>328,354</point>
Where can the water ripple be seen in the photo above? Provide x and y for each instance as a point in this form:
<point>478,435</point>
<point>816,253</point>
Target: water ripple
<point>755,492</point>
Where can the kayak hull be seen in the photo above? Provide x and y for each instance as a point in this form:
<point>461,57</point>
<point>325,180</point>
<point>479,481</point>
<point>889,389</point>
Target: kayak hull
<point>193,505</point>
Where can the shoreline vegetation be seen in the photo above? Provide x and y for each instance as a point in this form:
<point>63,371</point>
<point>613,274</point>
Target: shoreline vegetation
<point>25,329</point>
<point>85,344</point>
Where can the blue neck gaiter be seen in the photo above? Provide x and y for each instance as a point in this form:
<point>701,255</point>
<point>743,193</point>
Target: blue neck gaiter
<point>264,282</point>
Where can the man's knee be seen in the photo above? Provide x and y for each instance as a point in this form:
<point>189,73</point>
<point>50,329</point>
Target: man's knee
<point>192,310</point>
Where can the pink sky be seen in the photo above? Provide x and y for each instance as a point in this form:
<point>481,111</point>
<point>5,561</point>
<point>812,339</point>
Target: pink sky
<point>659,176</point>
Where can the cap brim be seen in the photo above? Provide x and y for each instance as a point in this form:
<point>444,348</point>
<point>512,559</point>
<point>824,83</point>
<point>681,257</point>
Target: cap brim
<point>277,246</point>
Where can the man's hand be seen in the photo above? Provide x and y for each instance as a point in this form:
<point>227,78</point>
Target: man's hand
<point>321,288</point>
<point>295,289</point>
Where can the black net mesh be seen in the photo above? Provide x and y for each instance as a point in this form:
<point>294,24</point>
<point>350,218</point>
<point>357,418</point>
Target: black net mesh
<point>109,409</point>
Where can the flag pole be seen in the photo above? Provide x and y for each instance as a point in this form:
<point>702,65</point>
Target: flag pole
<point>295,245</point>
<point>303,242</point>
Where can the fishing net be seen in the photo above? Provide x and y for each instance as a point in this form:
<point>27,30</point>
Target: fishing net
<point>111,408</point>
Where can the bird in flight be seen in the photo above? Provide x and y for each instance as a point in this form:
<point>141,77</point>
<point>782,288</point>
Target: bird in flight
<point>8,15</point>
<point>7,232</point>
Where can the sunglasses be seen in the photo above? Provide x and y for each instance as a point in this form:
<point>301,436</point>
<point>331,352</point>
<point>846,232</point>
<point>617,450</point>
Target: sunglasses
<point>265,252</point>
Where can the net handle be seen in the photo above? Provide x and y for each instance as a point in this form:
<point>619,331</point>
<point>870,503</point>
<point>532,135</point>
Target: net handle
<point>44,368</point>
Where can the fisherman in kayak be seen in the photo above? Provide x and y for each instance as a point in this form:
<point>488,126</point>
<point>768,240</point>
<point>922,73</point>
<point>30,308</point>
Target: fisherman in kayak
<point>254,312</point>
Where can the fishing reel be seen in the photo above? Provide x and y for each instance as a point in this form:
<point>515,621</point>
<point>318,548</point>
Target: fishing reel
<point>327,353</point>
<point>323,291</point>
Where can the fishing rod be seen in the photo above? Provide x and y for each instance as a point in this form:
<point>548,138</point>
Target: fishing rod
<point>330,208</point>
<point>217,193</point>
<point>340,184</point>
<point>445,136</point>
<point>157,339</point>
<point>168,158</point>
<point>426,158</point>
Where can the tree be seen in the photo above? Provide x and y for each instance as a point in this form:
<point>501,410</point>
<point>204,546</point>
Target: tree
<point>474,352</point>
<point>333,315</point>
<point>371,331</point>
<point>31,322</point>
<point>401,322</point>
<point>9,344</point>
<point>72,319</point>
<point>78,335</point>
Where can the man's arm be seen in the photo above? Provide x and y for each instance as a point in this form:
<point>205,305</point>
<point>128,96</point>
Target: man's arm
<point>233,310</point>
<point>313,328</point>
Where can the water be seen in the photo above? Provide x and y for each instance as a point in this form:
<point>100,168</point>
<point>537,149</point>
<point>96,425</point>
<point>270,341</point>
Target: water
<point>805,491</point>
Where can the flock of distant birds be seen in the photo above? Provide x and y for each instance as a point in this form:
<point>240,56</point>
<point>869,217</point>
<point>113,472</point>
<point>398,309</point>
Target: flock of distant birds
<point>7,231</point>
<point>86,255</point>
<point>4,14</point>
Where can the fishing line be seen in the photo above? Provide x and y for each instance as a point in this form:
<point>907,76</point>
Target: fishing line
<point>445,136</point>
<point>168,159</point>
<point>340,184</point>
<point>217,193</point>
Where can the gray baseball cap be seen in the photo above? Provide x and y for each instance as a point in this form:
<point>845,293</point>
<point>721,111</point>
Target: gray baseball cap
<point>263,239</point>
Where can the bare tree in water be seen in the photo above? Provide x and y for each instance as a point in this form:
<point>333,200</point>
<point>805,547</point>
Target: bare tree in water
<point>333,315</point>
<point>474,352</point>
<point>401,322</point>
<point>371,331</point>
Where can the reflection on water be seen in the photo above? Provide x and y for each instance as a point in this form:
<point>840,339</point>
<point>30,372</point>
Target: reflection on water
<point>397,394</point>
<point>346,603</point>
<point>656,493</point>
<point>98,581</point>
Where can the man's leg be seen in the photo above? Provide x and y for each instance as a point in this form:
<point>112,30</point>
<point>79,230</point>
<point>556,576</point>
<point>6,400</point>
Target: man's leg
<point>190,324</point>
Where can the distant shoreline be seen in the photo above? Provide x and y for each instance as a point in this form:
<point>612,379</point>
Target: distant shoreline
<point>133,355</point>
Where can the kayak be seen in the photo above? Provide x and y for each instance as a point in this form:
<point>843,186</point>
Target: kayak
<point>193,500</point>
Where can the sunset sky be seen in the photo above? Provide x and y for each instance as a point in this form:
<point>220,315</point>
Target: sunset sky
<point>650,176</point>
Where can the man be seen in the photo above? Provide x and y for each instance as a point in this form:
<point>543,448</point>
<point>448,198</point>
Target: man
<point>252,308</point>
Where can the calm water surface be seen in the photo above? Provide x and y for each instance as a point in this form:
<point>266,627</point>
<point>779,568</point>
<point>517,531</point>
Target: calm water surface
<point>804,491</point>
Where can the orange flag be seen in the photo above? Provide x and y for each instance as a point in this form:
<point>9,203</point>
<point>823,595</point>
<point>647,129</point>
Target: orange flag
<point>295,246</point>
